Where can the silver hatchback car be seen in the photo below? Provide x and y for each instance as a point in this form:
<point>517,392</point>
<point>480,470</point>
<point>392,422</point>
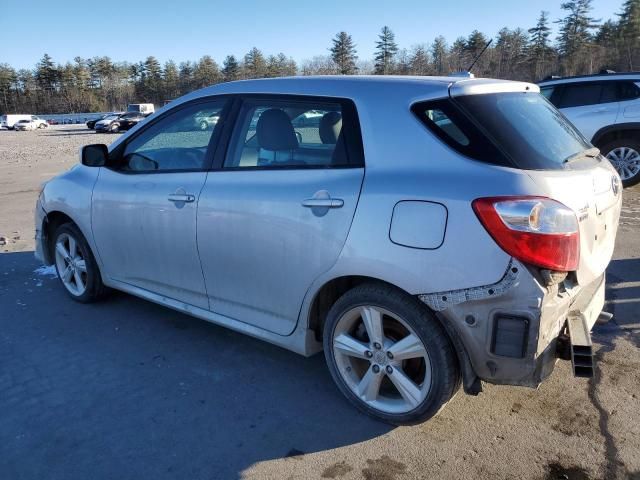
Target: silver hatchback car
<point>426,233</point>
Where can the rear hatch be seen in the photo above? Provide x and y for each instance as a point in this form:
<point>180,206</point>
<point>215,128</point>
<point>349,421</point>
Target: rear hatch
<point>531,134</point>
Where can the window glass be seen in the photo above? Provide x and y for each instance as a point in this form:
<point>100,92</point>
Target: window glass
<point>275,134</point>
<point>580,94</point>
<point>628,90</point>
<point>527,128</point>
<point>178,141</point>
<point>520,130</point>
<point>610,93</point>
<point>446,125</point>
<point>546,92</point>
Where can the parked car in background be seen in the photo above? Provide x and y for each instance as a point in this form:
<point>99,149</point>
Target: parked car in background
<point>474,248</point>
<point>118,123</point>
<point>91,124</point>
<point>8,121</point>
<point>207,121</point>
<point>606,109</point>
<point>33,123</point>
<point>144,108</point>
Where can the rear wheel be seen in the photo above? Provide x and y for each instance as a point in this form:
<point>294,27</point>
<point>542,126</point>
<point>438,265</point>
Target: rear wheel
<point>624,155</point>
<point>389,355</point>
<point>76,266</point>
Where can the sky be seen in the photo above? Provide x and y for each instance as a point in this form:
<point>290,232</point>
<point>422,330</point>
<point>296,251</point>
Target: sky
<point>131,30</point>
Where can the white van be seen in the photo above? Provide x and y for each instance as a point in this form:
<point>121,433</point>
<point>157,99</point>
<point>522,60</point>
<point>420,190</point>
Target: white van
<point>8,121</point>
<point>144,108</point>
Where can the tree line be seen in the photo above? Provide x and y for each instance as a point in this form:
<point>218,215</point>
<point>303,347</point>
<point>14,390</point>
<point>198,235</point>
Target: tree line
<point>583,45</point>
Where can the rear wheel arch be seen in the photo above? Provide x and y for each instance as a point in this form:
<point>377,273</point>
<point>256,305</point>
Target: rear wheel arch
<point>615,132</point>
<point>335,288</point>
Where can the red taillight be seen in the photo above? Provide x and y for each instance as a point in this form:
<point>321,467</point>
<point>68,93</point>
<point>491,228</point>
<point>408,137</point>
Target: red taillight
<point>535,230</point>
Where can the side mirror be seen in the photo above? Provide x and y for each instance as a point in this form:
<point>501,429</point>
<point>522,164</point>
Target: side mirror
<point>95,155</point>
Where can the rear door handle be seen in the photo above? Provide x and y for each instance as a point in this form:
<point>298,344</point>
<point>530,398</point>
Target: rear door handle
<point>323,203</point>
<point>182,197</point>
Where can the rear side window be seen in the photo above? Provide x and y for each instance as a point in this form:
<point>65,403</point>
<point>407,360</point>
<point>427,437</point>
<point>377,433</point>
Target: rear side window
<point>521,130</point>
<point>628,90</point>
<point>580,95</point>
<point>295,133</point>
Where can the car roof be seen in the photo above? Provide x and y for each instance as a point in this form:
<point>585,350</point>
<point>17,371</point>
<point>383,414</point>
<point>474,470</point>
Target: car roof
<point>353,86</point>
<point>634,76</point>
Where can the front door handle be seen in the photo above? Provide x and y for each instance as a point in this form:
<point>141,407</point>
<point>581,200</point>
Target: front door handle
<point>323,203</point>
<point>182,197</point>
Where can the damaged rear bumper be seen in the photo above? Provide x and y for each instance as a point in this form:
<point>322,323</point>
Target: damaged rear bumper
<point>513,330</point>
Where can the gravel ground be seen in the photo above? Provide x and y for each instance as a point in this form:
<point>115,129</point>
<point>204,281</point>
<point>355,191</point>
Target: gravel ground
<point>128,389</point>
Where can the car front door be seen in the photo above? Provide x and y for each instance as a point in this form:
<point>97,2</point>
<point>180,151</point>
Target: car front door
<point>274,213</point>
<point>144,205</point>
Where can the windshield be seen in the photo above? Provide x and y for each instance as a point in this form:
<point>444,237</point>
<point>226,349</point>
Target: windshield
<point>111,117</point>
<point>526,127</point>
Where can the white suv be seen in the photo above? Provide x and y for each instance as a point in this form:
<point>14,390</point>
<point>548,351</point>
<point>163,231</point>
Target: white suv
<point>606,109</point>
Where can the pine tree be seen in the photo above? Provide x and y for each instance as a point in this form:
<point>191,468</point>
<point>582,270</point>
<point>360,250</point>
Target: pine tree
<point>474,46</point>
<point>46,74</point>
<point>171,81</point>
<point>538,47</point>
<point>343,53</point>
<point>386,49</point>
<point>230,69</point>
<point>576,33</point>
<point>255,66</point>
<point>419,61</point>
<point>185,76</point>
<point>439,55</point>
<point>630,31</point>
<point>206,72</point>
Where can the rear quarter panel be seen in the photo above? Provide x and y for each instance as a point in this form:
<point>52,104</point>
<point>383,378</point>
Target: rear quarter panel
<point>404,161</point>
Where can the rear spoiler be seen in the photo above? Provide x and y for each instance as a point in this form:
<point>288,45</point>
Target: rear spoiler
<point>484,85</point>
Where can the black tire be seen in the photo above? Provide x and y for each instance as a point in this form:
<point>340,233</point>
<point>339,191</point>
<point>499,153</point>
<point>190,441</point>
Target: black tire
<point>95,290</point>
<point>114,128</point>
<point>445,373</point>
<point>623,142</point>
<point>204,125</point>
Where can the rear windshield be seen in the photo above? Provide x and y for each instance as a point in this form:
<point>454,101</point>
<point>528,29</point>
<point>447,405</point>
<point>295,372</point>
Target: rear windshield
<point>522,130</point>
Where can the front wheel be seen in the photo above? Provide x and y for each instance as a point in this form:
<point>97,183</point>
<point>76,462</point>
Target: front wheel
<point>114,128</point>
<point>624,155</point>
<point>204,125</point>
<point>389,355</point>
<point>76,266</point>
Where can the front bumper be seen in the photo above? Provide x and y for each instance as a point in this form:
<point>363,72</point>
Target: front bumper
<point>41,252</point>
<point>511,334</point>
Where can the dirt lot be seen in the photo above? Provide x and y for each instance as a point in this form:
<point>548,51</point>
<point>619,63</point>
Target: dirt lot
<point>128,389</point>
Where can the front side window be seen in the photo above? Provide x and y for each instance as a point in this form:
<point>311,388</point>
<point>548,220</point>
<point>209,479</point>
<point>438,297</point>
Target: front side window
<point>178,141</point>
<point>291,134</point>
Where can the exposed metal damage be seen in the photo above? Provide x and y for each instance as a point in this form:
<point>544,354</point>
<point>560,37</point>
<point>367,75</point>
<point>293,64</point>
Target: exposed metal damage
<point>442,300</point>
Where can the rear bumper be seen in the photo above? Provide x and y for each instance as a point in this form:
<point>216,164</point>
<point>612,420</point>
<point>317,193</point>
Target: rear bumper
<point>511,334</point>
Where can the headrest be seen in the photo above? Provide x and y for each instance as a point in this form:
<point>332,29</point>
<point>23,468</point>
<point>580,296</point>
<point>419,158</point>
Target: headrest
<point>275,132</point>
<point>330,127</point>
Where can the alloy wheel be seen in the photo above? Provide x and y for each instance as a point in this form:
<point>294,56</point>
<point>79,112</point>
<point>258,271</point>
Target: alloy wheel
<point>381,359</point>
<point>71,265</point>
<point>626,161</point>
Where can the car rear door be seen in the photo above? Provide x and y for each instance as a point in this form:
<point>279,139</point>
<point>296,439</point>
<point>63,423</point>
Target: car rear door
<point>275,212</point>
<point>144,205</point>
<point>589,105</point>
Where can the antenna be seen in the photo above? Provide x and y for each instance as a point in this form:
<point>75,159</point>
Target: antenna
<point>479,55</point>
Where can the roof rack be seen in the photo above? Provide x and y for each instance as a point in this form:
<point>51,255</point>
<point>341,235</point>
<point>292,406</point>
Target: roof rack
<point>601,73</point>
